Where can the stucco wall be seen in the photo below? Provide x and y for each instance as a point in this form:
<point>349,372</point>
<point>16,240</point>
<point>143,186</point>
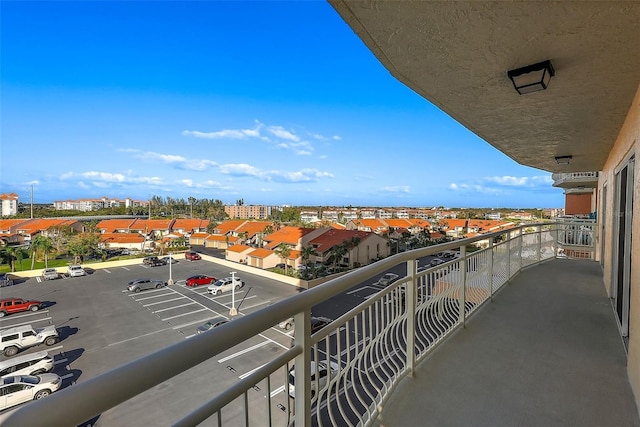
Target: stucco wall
<point>628,142</point>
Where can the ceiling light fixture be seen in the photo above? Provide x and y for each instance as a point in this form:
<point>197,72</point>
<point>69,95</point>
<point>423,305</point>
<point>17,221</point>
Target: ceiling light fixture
<point>563,160</point>
<point>532,78</point>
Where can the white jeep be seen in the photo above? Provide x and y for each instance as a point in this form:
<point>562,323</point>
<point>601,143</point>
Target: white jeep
<point>19,338</point>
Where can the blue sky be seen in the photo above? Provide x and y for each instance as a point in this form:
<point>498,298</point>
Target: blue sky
<point>269,102</point>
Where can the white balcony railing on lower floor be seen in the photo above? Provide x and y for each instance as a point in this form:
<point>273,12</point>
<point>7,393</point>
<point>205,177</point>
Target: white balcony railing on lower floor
<point>341,374</point>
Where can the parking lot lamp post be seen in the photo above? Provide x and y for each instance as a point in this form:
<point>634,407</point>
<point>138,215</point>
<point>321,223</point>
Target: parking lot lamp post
<point>233,311</point>
<point>170,282</point>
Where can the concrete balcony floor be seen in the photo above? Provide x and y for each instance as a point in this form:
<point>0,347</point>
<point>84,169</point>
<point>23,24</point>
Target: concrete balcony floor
<point>546,352</point>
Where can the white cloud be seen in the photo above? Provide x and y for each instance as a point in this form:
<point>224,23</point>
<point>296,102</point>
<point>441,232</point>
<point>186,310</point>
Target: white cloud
<point>282,133</point>
<point>336,138</point>
<point>396,189</point>
<point>304,175</point>
<point>228,133</point>
<point>241,169</point>
<point>522,181</point>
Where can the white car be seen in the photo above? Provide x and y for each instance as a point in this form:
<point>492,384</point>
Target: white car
<point>387,279</point>
<point>29,364</point>
<point>317,383</point>
<point>224,285</point>
<point>76,271</point>
<point>50,274</point>
<point>19,389</point>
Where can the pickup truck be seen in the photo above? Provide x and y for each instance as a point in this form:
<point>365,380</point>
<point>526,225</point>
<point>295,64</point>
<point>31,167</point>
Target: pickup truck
<point>19,338</point>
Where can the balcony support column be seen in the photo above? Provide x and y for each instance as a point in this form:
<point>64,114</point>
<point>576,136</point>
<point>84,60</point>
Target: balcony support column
<point>539,232</point>
<point>520,239</point>
<point>302,338</point>
<point>463,283</point>
<point>411,304</point>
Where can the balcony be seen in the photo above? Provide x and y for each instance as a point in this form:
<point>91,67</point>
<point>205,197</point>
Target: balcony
<point>577,180</point>
<point>514,334</point>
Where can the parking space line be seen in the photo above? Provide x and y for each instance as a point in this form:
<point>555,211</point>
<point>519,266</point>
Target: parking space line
<point>173,307</point>
<point>58,347</point>
<point>64,377</point>
<point>28,323</point>
<point>183,314</point>
<point>356,290</point>
<point>246,374</point>
<point>162,302</point>
<point>106,270</point>
<point>153,296</point>
<point>241,352</point>
<point>33,313</point>
<point>257,305</point>
<point>58,362</point>
<point>184,325</point>
<point>128,269</point>
<point>277,391</point>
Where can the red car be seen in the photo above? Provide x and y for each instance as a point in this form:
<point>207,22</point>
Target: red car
<point>16,305</point>
<point>192,256</point>
<point>200,280</point>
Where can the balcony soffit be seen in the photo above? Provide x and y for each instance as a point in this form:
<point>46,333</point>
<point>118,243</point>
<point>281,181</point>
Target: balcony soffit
<point>456,55</point>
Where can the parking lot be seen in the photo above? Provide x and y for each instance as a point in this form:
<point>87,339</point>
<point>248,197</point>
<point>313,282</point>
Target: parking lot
<point>102,326</point>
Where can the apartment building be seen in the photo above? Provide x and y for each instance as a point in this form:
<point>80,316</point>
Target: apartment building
<point>248,211</point>
<point>8,204</point>
<point>86,205</point>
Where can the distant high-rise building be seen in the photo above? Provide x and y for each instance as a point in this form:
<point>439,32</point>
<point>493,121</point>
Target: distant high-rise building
<point>8,204</point>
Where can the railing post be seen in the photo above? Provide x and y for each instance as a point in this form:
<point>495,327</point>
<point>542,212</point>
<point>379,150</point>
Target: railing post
<point>463,273</point>
<point>508,243</point>
<point>539,231</point>
<point>410,292</point>
<point>556,239</point>
<point>302,338</point>
<point>491,246</point>
<point>520,239</point>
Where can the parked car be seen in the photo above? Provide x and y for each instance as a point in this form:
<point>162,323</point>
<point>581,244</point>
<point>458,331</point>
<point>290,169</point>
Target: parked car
<point>317,323</point>
<point>387,279</point>
<point>319,376</point>
<point>76,271</point>
<point>436,261</point>
<point>199,280</point>
<point>224,285</point>
<point>5,280</point>
<point>213,323</point>
<point>17,305</point>
<point>24,388</point>
<point>168,260</point>
<point>192,256</point>
<point>28,364</point>
<point>22,337</point>
<point>145,284</point>
<point>50,274</point>
<point>153,261</point>
<point>281,265</point>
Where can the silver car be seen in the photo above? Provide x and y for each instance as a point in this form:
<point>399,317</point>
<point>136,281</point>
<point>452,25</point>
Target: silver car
<point>145,284</point>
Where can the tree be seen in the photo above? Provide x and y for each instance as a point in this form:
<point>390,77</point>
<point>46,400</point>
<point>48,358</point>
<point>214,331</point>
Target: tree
<point>192,201</point>
<point>82,244</point>
<point>242,237</point>
<point>11,253</point>
<point>41,244</point>
<point>354,243</point>
<point>306,253</point>
<point>337,252</point>
<point>211,228</point>
<point>283,251</point>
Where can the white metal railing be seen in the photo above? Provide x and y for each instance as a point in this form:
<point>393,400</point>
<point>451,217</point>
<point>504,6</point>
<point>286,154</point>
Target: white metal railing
<point>590,178</point>
<point>366,351</point>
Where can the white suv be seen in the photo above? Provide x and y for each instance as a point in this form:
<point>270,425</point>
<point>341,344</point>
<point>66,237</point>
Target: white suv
<point>224,285</point>
<point>76,271</point>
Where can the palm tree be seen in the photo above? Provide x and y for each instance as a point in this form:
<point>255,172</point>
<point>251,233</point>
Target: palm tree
<point>354,243</point>
<point>42,244</point>
<point>11,254</point>
<point>242,237</point>
<point>306,253</point>
<point>283,251</point>
<point>337,252</point>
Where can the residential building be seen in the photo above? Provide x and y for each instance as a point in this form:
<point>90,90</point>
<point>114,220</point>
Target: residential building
<point>86,205</point>
<point>8,204</point>
<point>248,211</point>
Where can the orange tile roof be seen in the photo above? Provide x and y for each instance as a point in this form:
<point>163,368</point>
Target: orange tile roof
<point>121,238</point>
<point>189,224</point>
<point>148,225</point>
<point>200,235</point>
<point>398,223</point>
<point>253,227</point>
<point>110,225</point>
<point>227,226</point>
<point>294,254</point>
<point>6,224</point>
<point>36,225</point>
<point>289,235</point>
<point>218,238</point>
<point>260,253</point>
<point>238,248</point>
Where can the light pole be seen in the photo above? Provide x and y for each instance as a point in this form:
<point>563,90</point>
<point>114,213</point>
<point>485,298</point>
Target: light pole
<point>233,311</point>
<point>170,282</point>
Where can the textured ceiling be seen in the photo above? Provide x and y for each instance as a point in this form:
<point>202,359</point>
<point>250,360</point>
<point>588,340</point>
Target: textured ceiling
<point>457,54</point>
